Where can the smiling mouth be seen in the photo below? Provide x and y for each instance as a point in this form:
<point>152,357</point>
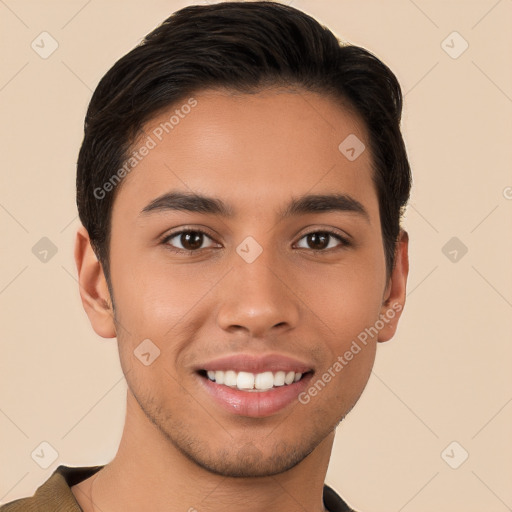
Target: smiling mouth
<point>252,382</point>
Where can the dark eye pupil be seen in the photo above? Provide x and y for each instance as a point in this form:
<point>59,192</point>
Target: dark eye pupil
<point>318,240</point>
<point>191,240</point>
<point>194,239</point>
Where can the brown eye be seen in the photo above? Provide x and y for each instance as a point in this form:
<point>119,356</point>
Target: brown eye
<point>189,240</point>
<point>320,240</point>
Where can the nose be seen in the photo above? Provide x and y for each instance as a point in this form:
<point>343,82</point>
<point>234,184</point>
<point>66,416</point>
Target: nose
<point>257,298</point>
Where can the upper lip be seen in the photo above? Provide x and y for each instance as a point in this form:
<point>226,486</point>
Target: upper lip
<point>256,364</point>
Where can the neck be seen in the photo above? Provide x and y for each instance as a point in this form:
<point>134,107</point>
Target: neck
<point>150,473</point>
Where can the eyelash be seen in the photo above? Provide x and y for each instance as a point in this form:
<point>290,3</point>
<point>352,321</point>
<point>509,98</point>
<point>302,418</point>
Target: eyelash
<point>344,242</point>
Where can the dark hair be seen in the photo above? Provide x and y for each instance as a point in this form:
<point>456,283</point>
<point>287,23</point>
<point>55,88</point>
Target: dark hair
<point>245,47</point>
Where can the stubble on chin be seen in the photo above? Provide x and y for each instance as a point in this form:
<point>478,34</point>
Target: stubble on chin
<point>266,456</point>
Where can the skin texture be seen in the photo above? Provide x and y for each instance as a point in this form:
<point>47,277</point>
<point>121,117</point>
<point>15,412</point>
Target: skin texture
<point>255,152</point>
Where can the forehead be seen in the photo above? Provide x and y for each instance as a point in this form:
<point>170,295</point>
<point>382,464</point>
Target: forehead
<point>251,149</point>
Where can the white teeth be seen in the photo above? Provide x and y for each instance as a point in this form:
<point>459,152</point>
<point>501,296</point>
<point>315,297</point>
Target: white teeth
<point>264,381</point>
<point>230,378</point>
<point>289,377</point>
<point>245,380</point>
<point>250,381</point>
<point>279,378</point>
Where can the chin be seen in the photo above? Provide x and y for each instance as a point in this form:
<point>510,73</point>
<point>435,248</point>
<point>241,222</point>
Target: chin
<point>248,461</point>
<point>244,453</point>
<point>240,458</point>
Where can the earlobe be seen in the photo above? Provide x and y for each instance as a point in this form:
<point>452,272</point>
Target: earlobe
<point>394,299</point>
<point>94,291</point>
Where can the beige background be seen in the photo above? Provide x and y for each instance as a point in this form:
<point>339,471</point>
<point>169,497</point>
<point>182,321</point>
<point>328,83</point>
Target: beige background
<point>445,377</point>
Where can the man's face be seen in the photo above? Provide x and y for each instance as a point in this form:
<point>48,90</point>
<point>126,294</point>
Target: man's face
<point>211,307</point>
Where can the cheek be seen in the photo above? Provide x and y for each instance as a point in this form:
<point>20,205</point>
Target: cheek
<point>348,310</point>
<point>347,303</point>
<point>161,302</point>
<point>346,298</point>
<point>152,304</point>
<point>349,340</point>
<point>153,294</point>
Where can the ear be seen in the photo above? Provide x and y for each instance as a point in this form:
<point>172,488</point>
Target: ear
<point>93,287</point>
<point>394,295</point>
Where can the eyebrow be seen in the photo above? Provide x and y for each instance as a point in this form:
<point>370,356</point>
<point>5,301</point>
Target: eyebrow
<point>310,203</point>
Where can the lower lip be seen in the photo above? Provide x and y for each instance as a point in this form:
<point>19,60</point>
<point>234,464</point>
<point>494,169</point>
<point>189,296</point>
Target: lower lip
<point>255,404</point>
